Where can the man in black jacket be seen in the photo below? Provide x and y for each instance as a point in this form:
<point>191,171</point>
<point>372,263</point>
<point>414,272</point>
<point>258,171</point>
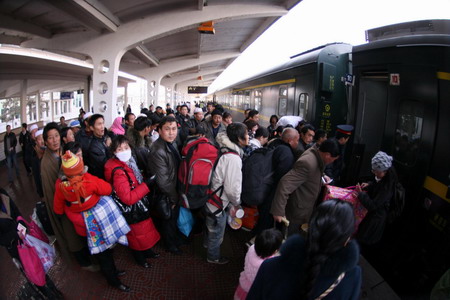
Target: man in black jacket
<point>98,152</point>
<point>10,143</point>
<point>164,161</point>
<point>25,143</point>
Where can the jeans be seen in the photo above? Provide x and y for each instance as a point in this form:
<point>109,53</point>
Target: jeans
<point>11,159</point>
<point>215,229</point>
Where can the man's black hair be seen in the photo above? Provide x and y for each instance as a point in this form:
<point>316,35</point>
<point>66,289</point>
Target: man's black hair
<point>252,113</point>
<point>320,133</point>
<point>166,119</point>
<point>236,131</point>
<point>141,123</point>
<point>262,132</point>
<point>94,118</point>
<point>155,119</point>
<point>73,147</point>
<point>50,126</point>
<point>127,115</point>
<point>24,125</point>
<point>307,127</point>
<point>330,146</point>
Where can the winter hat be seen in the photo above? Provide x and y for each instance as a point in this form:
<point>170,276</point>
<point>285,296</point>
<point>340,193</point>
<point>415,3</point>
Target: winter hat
<point>381,161</point>
<point>87,115</point>
<point>33,127</point>
<point>71,165</point>
<point>197,110</point>
<point>38,133</point>
<point>74,123</point>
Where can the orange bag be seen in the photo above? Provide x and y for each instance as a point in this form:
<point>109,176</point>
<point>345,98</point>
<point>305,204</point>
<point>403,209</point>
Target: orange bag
<point>250,217</point>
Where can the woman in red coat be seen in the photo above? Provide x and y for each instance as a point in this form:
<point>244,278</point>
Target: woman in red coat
<point>143,235</point>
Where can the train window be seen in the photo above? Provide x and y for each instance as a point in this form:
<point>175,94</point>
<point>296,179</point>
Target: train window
<point>258,99</point>
<point>282,100</point>
<point>303,105</point>
<point>408,134</point>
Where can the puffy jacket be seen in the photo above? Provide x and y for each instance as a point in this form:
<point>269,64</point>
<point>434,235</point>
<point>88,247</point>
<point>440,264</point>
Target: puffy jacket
<point>143,235</point>
<point>94,187</point>
<point>228,173</point>
<point>97,156</point>
<point>165,167</point>
<point>141,150</point>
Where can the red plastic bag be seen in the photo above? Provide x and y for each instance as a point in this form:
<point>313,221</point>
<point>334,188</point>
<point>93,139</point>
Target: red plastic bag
<point>34,230</point>
<point>250,217</point>
<point>348,195</point>
<point>32,265</point>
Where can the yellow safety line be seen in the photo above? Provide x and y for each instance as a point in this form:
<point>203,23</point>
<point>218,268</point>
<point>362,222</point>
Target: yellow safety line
<point>266,118</point>
<point>266,84</point>
<point>436,187</point>
<point>443,75</point>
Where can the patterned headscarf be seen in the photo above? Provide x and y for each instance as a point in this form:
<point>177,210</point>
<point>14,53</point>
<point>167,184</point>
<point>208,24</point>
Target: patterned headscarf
<point>381,161</point>
<point>117,126</point>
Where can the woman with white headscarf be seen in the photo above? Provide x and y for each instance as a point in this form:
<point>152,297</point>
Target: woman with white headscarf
<point>376,197</point>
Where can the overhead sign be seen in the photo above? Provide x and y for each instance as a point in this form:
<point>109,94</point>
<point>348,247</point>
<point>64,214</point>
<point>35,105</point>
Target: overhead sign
<point>197,89</point>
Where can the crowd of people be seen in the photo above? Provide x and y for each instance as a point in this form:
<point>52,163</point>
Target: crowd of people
<point>77,166</point>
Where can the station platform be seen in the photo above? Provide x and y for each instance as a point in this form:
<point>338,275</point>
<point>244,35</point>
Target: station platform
<point>171,277</point>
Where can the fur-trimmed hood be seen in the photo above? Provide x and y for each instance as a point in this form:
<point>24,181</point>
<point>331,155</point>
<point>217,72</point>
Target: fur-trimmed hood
<point>224,141</point>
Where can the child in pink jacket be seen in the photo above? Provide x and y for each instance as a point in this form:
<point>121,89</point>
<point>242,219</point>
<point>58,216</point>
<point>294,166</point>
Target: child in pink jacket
<point>266,246</point>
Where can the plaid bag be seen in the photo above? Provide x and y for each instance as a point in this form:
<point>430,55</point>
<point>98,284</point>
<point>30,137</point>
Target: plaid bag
<point>347,194</point>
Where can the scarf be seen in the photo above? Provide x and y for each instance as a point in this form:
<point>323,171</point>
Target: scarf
<point>133,166</point>
<point>117,126</point>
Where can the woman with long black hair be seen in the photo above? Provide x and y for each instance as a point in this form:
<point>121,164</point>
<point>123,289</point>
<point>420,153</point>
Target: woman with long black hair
<point>322,266</point>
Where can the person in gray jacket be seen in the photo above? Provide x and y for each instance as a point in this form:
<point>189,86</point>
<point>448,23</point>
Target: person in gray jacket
<point>214,126</point>
<point>227,181</point>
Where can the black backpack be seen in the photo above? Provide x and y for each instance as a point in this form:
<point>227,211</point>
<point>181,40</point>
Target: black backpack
<point>257,176</point>
<point>397,202</point>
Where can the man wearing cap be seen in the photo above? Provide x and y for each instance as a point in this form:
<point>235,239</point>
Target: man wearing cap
<point>197,118</point>
<point>75,126</point>
<point>214,126</point>
<point>25,143</point>
<point>84,135</point>
<point>334,170</point>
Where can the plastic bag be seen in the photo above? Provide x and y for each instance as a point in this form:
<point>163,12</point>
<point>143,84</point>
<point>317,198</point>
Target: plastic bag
<point>34,229</point>
<point>45,252</point>
<point>31,263</point>
<point>185,221</point>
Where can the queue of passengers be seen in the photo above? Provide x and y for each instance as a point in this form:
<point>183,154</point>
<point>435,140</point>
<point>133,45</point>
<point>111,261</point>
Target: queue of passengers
<point>140,154</point>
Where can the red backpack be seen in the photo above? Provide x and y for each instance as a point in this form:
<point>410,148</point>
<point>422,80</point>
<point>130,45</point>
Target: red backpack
<point>199,158</point>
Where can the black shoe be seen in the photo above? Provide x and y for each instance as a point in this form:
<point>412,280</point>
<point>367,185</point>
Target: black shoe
<point>145,265</point>
<point>123,287</point>
<point>151,254</point>
<point>175,251</point>
<point>120,273</point>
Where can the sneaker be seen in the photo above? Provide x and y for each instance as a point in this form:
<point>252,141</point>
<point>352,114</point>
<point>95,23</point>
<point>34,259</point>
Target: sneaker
<point>220,261</point>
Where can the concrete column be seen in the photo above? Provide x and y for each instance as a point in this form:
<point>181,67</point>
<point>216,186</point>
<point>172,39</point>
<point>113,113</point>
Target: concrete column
<point>23,101</point>
<point>104,82</point>
<point>52,107</point>
<point>38,106</point>
<point>125,100</point>
<point>86,95</point>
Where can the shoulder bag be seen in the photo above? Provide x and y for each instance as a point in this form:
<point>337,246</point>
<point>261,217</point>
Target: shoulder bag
<point>136,212</point>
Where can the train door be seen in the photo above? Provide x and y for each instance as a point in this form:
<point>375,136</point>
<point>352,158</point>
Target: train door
<point>370,121</point>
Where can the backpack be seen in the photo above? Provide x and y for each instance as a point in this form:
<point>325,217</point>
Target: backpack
<point>257,176</point>
<point>397,202</point>
<point>199,158</point>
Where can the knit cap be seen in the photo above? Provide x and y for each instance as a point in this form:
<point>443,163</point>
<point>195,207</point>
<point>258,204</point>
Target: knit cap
<point>71,165</point>
<point>381,161</point>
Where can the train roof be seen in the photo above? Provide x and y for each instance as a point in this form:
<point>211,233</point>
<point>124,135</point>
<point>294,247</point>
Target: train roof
<point>303,58</point>
<point>406,41</point>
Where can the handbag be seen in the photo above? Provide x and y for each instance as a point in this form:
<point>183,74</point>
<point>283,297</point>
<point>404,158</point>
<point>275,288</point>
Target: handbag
<point>45,252</point>
<point>162,205</point>
<point>34,230</point>
<point>42,213</point>
<point>136,212</point>
<point>31,263</point>
<point>185,221</point>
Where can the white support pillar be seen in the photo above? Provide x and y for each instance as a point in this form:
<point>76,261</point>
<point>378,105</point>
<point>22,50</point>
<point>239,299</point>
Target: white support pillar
<point>38,107</point>
<point>52,106</point>
<point>86,94</point>
<point>23,101</point>
<point>125,99</point>
<point>104,82</point>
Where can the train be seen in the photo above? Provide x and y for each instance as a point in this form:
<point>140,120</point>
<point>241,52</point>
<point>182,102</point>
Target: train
<point>395,90</point>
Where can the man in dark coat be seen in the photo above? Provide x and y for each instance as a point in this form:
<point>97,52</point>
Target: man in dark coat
<point>98,152</point>
<point>164,160</point>
<point>334,170</point>
<point>10,143</point>
<point>27,148</point>
<point>299,189</point>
